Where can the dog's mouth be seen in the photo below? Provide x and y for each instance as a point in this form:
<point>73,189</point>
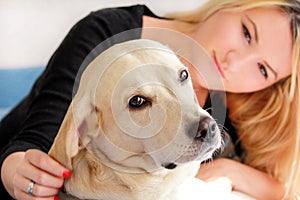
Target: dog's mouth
<point>197,151</point>
<point>187,159</point>
<point>184,159</point>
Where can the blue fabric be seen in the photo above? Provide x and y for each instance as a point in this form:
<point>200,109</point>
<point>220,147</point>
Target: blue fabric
<point>14,85</point>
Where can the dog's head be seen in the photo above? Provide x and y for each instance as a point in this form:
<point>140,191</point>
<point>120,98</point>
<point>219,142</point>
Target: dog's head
<point>136,110</point>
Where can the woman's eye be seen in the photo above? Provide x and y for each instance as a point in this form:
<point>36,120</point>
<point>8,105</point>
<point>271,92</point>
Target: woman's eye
<point>246,33</point>
<point>263,70</point>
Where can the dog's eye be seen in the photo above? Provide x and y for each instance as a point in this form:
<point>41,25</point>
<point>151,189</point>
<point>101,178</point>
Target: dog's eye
<point>137,101</point>
<point>183,75</point>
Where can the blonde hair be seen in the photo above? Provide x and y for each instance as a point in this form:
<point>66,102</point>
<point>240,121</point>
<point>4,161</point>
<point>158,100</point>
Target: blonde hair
<point>267,121</point>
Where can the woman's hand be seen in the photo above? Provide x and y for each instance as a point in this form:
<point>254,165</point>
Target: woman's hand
<point>219,168</point>
<point>22,168</point>
<point>243,178</point>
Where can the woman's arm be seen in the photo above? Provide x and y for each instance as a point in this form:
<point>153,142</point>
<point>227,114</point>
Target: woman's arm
<point>244,179</point>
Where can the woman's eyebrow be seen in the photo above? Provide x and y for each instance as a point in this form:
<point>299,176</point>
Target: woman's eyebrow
<point>254,26</point>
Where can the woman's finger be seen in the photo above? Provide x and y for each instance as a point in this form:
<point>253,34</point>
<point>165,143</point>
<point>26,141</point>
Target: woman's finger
<point>20,195</point>
<point>25,185</point>
<point>45,162</point>
<point>39,176</point>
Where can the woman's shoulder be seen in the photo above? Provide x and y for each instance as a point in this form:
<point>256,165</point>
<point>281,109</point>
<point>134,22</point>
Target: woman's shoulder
<point>130,15</point>
<point>107,22</point>
<point>134,10</point>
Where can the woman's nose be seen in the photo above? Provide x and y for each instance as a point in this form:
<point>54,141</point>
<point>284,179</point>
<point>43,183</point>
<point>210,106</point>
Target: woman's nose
<point>234,60</point>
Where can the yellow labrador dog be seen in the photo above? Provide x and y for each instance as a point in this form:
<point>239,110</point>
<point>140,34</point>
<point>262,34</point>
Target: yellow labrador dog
<point>134,130</point>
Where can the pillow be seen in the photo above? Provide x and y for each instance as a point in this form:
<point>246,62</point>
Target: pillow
<point>15,83</point>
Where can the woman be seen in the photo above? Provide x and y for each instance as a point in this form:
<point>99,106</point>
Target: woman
<point>258,66</point>
<point>266,120</point>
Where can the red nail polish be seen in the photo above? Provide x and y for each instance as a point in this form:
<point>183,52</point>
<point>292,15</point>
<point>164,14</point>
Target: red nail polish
<point>56,198</point>
<point>67,174</point>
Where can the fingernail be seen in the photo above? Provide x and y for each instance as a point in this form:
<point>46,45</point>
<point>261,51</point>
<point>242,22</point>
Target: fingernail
<point>67,174</point>
<point>56,198</point>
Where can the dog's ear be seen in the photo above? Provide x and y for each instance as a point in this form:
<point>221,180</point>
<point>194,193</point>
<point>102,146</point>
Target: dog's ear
<point>75,132</point>
<point>66,143</point>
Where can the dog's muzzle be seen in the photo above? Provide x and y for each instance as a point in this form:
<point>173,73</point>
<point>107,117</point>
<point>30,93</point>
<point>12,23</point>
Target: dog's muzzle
<point>205,140</point>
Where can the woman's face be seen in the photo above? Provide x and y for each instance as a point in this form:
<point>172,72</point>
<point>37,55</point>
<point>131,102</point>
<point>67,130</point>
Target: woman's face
<point>251,49</point>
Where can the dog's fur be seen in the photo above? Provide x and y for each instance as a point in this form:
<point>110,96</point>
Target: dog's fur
<point>118,150</point>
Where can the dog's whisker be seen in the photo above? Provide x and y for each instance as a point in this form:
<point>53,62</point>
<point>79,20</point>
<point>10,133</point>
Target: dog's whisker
<point>222,127</point>
<point>177,52</point>
<point>209,109</point>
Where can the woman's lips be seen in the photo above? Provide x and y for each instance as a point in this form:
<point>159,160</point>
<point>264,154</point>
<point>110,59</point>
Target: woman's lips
<point>219,67</point>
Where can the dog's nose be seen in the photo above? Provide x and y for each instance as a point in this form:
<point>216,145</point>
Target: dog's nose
<point>207,129</point>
